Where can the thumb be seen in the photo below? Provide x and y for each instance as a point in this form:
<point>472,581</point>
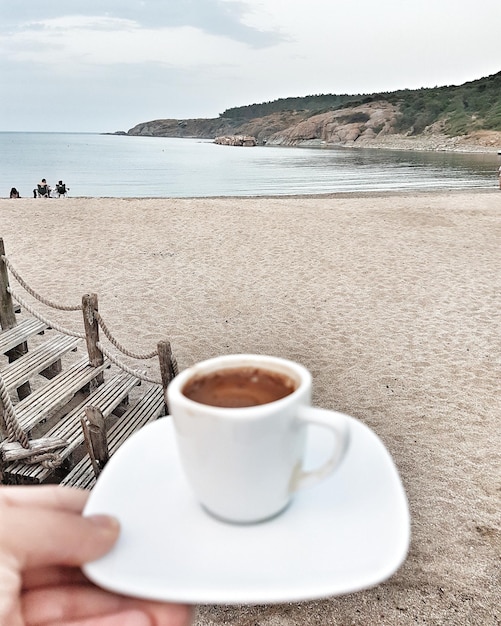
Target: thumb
<point>38,537</point>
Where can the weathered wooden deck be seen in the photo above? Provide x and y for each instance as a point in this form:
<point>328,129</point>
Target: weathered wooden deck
<point>66,404</point>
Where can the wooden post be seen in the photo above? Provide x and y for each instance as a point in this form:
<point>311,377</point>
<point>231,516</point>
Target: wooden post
<point>94,430</point>
<point>4,433</point>
<point>89,305</point>
<point>168,367</point>
<point>7,313</point>
<point>8,319</point>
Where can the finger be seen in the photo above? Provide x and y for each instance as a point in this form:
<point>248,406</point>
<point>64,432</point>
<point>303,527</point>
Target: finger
<point>82,604</point>
<point>126,618</point>
<point>36,537</point>
<point>52,576</point>
<point>47,496</point>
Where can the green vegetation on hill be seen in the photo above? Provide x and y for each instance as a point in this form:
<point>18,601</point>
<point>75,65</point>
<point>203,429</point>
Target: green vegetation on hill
<point>313,104</point>
<point>472,106</point>
<point>475,105</point>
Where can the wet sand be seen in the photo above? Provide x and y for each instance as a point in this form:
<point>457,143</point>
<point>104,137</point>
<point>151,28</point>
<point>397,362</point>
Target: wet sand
<point>393,301</point>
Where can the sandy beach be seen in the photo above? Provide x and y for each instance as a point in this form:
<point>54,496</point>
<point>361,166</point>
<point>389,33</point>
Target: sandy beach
<point>392,301</point>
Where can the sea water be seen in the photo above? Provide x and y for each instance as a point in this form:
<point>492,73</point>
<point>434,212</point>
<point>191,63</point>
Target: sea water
<point>99,165</point>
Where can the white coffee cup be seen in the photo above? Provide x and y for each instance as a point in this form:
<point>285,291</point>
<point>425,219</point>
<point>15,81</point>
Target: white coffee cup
<point>244,464</point>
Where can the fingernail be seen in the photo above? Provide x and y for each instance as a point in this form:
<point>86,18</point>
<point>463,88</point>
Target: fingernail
<point>107,523</point>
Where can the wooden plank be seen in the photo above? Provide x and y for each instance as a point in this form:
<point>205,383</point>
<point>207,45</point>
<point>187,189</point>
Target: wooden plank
<point>22,332</point>
<point>47,400</point>
<point>148,408</point>
<point>54,369</point>
<point>106,397</point>
<point>37,360</point>
<point>83,478</point>
<point>14,451</point>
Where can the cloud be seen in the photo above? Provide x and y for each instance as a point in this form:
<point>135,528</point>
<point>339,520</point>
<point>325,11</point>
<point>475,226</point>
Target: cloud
<point>226,18</point>
<point>70,43</point>
<point>102,63</point>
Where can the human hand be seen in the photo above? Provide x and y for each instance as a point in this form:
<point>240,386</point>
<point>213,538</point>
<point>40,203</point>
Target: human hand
<point>44,540</point>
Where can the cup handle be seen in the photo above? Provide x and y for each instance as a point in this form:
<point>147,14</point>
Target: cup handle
<point>337,423</point>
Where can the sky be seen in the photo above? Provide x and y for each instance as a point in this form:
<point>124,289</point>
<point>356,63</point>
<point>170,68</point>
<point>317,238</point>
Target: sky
<point>107,65</point>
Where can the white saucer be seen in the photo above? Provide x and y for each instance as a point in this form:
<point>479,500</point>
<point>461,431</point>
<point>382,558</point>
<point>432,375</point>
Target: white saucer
<point>348,533</point>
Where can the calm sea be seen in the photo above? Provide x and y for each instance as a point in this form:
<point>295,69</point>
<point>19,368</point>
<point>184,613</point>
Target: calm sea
<point>122,166</point>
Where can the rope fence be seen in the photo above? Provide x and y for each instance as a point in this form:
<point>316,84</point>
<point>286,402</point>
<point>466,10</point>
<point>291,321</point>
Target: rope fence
<point>117,345</point>
<point>14,431</point>
<point>42,318</point>
<point>17,443</point>
<point>141,374</point>
<point>31,291</point>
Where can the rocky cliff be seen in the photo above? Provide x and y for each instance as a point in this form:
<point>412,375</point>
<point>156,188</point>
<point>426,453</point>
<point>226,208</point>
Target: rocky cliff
<point>261,128</point>
<point>340,127</point>
<point>367,125</point>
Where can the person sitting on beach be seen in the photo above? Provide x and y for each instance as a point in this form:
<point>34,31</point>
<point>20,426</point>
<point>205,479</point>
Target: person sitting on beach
<point>14,193</point>
<point>61,189</point>
<point>43,189</point>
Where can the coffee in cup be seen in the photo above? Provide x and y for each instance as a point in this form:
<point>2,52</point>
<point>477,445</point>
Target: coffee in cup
<point>239,387</point>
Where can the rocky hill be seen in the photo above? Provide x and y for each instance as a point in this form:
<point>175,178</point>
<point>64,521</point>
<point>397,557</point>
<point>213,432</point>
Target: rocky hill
<point>261,127</point>
<point>465,118</point>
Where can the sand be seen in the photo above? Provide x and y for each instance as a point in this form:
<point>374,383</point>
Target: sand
<point>393,302</point>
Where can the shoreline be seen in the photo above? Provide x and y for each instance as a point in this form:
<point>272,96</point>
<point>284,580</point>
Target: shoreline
<point>419,143</point>
<point>223,172</point>
<point>391,300</point>
<point>482,142</point>
<point>406,193</point>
